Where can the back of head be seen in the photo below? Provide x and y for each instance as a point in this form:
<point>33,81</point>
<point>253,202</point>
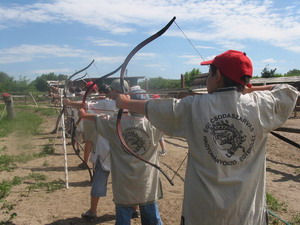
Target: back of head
<point>104,88</point>
<point>139,94</point>
<point>116,86</point>
<point>234,66</point>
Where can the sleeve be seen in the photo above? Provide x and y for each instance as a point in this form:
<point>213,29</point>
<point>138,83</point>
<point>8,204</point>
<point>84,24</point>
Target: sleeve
<point>276,105</point>
<point>171,116</point>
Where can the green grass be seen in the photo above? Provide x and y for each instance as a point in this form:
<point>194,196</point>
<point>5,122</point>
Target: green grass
<point>46,111</point>
<point>274,204</point>
<point>49,186</point>
<point>3,148</point>
<point>8,162</point>
<point>296,219</point>
<point>6,208</point>
<point>25,123</point>
<point>5,186</point>
<point>36,176</point>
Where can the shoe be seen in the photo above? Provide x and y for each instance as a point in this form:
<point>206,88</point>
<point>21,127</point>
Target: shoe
<point>82,166</point>
<point>162,152</point>
<point>89,216</point>
<point>136,214</point>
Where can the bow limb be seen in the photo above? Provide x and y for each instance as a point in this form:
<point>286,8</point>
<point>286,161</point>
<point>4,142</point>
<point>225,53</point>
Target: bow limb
<point>73,132</point>
<point>65,93</point>
<point>123,69</point>
<point>75,124</point>
<point>77,147</point>
<point>99,80</point>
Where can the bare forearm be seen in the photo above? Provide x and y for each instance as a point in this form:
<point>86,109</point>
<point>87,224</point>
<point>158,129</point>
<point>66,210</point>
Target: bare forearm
<point>259,88</point>
<point>137,106</point>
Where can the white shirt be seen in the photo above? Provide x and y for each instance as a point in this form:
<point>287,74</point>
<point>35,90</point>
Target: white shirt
<point>101,149</point>
<point>133,181</point>
<point>226,132</point>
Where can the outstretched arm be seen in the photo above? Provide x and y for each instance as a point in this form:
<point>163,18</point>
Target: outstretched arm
<point>74,104</point>
<point>137,106</point>
<point>258,88</point>
<point>84,115</point>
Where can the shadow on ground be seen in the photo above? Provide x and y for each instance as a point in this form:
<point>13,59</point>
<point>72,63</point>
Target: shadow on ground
<point>79,221</point>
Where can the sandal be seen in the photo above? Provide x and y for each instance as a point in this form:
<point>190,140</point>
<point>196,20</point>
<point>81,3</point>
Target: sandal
<point>88,215</point>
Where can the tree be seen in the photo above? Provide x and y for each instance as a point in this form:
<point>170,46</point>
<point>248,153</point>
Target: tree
<point>4,77</point>
<point>40,82</point>
<point>293,72</point>
<point>160,83</point>
<point>266,73</point>
<point>190,76</point>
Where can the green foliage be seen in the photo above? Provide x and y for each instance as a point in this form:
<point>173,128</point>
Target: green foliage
<point>266,72</point>
<point>9,84</point>
<point>190,76</point>
<point>160,83</point>
<point>293,72</point>
<point>40,82</point>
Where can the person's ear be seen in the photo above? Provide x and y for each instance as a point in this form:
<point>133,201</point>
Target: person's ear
<point>219,77</point>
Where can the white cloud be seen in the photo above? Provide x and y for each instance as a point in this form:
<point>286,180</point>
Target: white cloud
<point>145,54</point>
<point>25,53</point>
<point>109,43</point>
<point>270,60</point>
<point>205,47</point>
<point>45,71</point>
<point>192,59</point>
<point>225,22</point>
<point>109,59</point>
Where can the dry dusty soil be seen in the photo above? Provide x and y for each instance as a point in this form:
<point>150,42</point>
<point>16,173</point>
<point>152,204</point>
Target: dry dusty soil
<point>64,206</point>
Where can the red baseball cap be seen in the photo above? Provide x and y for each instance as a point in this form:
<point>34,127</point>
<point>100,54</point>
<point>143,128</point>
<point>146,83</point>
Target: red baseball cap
<point>233,64</point>
<point>88,84</point>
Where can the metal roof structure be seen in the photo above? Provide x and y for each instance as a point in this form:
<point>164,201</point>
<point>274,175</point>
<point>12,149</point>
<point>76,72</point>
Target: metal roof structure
<point>276,80</point>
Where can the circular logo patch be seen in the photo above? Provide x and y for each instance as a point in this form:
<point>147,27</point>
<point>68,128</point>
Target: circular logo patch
<point>228,138</point>
<point>137,139</point>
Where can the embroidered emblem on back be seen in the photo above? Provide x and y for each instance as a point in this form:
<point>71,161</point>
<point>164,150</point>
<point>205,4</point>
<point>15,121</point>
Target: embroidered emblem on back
<point>137,139</point>
<point>229,138</point>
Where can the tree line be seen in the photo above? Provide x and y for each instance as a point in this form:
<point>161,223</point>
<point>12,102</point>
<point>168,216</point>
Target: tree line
<point>23,85</point>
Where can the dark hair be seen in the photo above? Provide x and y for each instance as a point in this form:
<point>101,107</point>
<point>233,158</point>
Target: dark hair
<point>230,83</point>
<point>104,88</point>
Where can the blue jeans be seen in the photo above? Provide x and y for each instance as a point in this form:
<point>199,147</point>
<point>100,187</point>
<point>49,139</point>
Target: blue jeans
<point>149,214</point>
<point>99,184</point>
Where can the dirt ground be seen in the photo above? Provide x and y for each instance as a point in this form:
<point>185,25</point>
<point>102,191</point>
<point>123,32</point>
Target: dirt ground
<point>65,206</point>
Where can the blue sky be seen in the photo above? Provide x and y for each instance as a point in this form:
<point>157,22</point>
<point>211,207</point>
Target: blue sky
<point>63,36</point>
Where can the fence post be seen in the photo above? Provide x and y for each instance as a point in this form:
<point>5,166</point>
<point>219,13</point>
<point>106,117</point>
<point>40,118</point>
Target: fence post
<point>8,100</point>
<point>33,99</point>
<point>182,84</point>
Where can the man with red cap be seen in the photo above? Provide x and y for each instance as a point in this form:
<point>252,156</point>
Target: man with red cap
<point>226,131</point>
